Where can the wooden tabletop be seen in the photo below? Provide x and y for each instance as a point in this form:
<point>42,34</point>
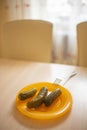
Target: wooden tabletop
<point>14,75</point>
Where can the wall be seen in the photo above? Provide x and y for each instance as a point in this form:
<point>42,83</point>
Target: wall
<point>3,19</point>
<point>0,25</point>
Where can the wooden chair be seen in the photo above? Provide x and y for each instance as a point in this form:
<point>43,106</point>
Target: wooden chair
<point>82,44</point>
<point>27,40</point>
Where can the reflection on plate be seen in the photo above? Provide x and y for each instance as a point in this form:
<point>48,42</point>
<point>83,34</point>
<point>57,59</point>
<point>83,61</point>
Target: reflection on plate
<point>58,108</point>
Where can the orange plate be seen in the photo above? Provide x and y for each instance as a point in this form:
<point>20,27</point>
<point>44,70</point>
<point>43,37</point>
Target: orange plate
<point>58,108</point>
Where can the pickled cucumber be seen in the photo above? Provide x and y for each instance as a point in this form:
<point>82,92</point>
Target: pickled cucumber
<point>38,100</point>
<point>52,96</point>
<point>27,94</point>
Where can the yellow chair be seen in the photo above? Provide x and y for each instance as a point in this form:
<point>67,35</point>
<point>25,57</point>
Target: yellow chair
<point>82,44</point>
<point>27,40</point>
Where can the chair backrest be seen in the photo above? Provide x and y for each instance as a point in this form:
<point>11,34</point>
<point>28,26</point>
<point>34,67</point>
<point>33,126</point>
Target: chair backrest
<point>27,40</point>
<point>82,44</point>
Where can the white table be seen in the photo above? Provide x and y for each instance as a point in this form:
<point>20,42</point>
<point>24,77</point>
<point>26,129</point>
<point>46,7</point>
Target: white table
<point>14,75</point>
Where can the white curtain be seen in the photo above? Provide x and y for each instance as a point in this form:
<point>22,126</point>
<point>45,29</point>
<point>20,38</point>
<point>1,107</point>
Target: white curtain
<point>64,14</point>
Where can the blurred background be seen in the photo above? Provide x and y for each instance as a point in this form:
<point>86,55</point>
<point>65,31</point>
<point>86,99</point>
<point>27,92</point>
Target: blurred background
<point>64,14</point>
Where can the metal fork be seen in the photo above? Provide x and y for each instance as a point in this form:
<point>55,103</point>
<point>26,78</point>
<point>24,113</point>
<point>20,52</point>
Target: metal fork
<point>59,81</point>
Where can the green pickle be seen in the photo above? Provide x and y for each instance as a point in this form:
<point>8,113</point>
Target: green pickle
<point>52,96</point>
<point>27,94</point>
<point>38,100</point>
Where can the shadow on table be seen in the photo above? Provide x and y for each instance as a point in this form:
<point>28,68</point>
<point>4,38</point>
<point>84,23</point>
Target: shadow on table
<point>37,124</point>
